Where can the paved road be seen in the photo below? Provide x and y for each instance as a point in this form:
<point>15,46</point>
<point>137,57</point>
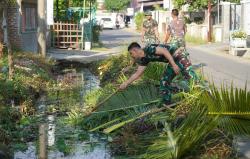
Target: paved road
<point>221,67</point>
<point>118,37</point>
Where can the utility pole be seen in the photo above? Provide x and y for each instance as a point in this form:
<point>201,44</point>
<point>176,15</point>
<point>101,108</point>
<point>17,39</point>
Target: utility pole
<point>42,27</point>
<point>209,33</point>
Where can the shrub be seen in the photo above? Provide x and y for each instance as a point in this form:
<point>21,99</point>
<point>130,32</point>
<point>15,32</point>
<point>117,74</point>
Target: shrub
<point>239,34</point>
<point>96,33</point>
<point>139,20</point>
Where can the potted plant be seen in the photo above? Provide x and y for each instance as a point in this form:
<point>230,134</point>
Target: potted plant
<point>239,38</point>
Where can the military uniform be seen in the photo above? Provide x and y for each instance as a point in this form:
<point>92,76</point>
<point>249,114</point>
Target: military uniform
<point>180,58</point>
<point>149,36</point>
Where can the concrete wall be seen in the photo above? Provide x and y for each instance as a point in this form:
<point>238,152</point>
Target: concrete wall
<point>246,16</point>
<point>162,18</point>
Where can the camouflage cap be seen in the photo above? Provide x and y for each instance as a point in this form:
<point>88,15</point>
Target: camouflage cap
<point>148,13</point>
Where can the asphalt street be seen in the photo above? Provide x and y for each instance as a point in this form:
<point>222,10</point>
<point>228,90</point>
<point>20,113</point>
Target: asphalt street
<point>118,37</point>
<point>221,68</point>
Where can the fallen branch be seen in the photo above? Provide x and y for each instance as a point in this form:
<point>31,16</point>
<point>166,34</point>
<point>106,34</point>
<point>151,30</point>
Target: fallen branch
<point>150,112</point>
<point>101,103</point>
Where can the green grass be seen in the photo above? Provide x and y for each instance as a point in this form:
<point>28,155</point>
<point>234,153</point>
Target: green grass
<point>195,40</point>
<point>99,47</point>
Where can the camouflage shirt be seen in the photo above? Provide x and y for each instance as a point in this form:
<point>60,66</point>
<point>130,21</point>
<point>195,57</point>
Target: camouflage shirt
<point>150,55</point>
<point>149,26</point>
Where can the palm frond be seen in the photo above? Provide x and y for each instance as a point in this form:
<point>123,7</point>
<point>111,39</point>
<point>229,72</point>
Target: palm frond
<point>154,71</point>
<point>126,104</point>
<point>139,116</point>
<point>132,96</point>
<point>174,145</point>
<point>233,106</point>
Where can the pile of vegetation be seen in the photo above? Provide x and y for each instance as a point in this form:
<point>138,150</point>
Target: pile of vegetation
<point>200,123</point>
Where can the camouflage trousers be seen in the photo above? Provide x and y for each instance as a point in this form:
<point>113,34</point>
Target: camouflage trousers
<point>186,71</point>
<point>180,42</point>
<point>150,40</point>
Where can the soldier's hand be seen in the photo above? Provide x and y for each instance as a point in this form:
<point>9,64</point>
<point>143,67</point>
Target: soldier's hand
<point>124,70</point>
<point>142,40</point>
<point>123,86</point>
<point>176,69</point>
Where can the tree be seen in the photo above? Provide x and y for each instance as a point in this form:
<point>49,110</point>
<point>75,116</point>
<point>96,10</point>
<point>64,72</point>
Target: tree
<point>198,4</point>
<point>193,4</point>
<point>1,35</point>
<point>5,5</point>
<point>62,6</point>
<point>116,5</point>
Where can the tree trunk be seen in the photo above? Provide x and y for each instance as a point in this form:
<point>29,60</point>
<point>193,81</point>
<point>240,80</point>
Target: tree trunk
<point>10,52</point>
<point>41,30</point>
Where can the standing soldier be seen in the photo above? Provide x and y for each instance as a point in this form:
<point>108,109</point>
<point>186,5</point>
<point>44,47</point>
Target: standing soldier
<point>177,30</point>
<point>150,33</point>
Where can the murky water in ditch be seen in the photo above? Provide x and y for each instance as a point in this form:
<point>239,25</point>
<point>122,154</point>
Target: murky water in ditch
<point>93,147</point>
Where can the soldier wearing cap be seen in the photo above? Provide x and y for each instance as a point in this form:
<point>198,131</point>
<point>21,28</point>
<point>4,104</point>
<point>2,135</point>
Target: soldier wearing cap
<point>150,33</point>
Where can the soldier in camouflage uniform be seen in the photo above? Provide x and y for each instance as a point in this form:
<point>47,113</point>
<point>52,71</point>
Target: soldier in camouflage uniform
<point>179,64</point>
<point>150,33</point>
<point>176,30</point>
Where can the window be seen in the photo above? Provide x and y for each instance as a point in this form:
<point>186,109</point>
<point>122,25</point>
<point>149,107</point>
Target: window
<point>29,17</point>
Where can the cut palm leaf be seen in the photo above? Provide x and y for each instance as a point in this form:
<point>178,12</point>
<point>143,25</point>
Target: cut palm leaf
<point>145,114</point>
<point>174,145</point>
<point>233,107</point>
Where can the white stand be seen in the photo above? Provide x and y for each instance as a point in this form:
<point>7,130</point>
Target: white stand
<point>87,46</point>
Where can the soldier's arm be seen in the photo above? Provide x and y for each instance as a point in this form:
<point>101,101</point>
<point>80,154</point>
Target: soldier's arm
<point>134,77</point>
<point>167,35</point>
<point>164,52</point>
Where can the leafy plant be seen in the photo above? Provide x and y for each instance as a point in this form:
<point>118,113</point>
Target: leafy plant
<point>123,106</point>
<point>232,106</point>
<point>96,33</point>
<point>198,4</point>
<point>175,144</point>
<point>228,108</point>
<point>62,146</point>
<point>139,20</point>
<point>116,5</point>
<point>154,72</point>
<point>239,34</point>
<point>110,70</point>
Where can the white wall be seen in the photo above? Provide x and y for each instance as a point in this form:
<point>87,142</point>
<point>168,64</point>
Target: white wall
<point>246,16</point>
